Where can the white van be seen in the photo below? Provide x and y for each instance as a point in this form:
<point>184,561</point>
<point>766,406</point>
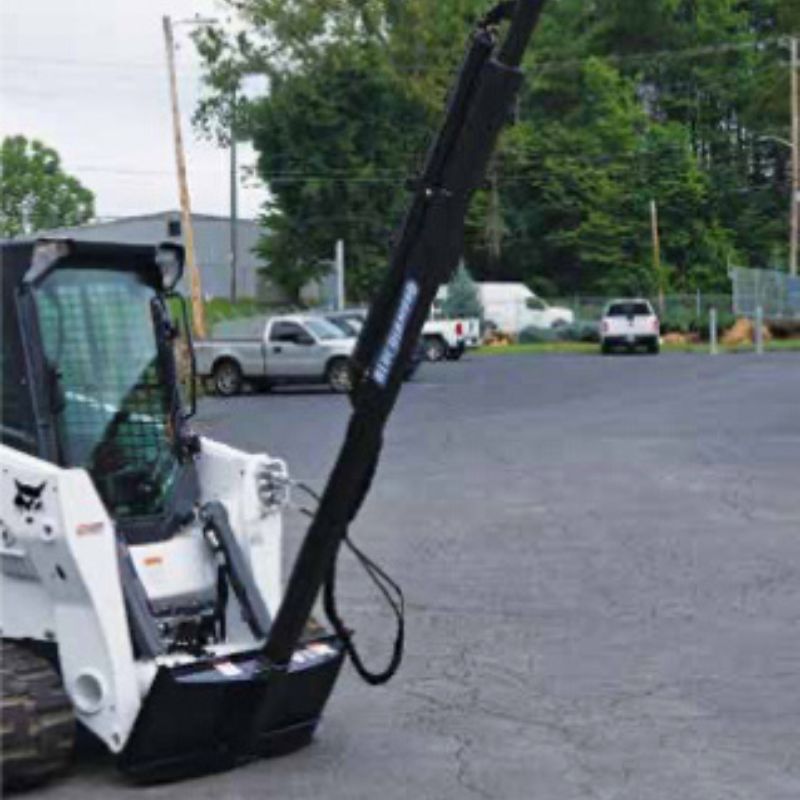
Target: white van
<point>512,306</point>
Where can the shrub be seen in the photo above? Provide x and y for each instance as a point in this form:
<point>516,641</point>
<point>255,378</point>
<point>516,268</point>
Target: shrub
<point>725,321</point>
<point>679,320</point>
<point>579,331</point>
<point>534,335</point>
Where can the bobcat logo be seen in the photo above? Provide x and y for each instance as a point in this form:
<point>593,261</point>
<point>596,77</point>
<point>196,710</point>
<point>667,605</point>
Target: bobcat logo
<point>29,498</point>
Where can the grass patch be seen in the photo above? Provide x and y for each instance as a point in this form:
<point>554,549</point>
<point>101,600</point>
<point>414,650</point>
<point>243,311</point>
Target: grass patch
<point>777,345</point>
<point>539,347</point>
<point>220,309</point>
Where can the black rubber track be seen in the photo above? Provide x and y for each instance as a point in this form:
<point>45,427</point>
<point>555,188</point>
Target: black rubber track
<point>37,722</point>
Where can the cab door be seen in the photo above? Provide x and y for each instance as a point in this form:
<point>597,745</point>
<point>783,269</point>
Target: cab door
<point>535,313</point>
<point>291,351</point>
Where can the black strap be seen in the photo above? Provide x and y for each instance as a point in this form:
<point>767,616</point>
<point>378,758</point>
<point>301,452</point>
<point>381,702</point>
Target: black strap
<point>388,587</point>
<point>394,597</point>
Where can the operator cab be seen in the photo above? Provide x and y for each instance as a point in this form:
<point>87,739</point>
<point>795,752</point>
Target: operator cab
<point>90,324</point>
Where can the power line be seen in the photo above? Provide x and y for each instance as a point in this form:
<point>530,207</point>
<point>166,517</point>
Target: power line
<point>676,53</point>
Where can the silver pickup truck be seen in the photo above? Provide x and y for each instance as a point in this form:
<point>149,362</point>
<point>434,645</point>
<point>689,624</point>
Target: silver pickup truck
<point>296,348</point>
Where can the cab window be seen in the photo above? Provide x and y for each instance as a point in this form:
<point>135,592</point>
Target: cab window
<point>289,332</point>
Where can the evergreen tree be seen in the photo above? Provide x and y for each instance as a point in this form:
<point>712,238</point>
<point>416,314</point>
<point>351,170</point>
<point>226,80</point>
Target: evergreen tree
<point>462,296</point>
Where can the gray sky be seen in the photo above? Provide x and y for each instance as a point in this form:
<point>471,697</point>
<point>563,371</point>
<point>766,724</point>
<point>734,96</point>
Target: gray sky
<point>88,77</point>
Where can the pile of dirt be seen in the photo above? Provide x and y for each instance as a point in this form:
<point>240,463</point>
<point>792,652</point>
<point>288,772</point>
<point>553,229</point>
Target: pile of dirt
<point>498,339</point>
<point>743,332</point>
<point>680,338</point>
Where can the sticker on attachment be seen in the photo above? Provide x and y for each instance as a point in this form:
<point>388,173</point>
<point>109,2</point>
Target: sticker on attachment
<point>395,339</point>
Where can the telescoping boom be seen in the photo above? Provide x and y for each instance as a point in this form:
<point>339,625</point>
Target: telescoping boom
<point>424,256</point>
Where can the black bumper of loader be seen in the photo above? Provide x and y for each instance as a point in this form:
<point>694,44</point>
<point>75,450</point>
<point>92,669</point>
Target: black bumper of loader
<point>210,716</point>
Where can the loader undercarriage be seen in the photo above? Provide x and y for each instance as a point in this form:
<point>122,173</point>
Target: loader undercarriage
<point>38,722</point>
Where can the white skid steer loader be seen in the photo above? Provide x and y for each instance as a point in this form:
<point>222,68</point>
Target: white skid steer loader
<point>140,563</point>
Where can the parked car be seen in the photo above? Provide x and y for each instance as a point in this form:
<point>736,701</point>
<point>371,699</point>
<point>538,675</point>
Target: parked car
<point>350,322</point>
<point>294,348</point>
<point>630,323</point>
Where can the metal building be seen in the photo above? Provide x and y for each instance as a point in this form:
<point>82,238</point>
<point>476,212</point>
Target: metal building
<point>212,248</point>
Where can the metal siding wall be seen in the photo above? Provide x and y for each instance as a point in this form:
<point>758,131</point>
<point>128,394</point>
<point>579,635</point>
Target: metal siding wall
<point>212,241</point>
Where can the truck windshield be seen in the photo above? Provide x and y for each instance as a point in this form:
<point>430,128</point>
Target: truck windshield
<point>630,309</point>
<point>323,329</point>
<point>113,409</point>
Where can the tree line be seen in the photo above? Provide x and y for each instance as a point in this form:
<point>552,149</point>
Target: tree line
<point>681,102</point>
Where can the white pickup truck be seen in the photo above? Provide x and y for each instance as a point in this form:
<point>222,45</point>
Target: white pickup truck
<point>296,348</point>
<point>449,338</point>
<point>629,323</point>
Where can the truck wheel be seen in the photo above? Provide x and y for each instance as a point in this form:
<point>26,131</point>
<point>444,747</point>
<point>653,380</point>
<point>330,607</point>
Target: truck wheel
<point>605,349</point>
<point>227,378</point>
<point>339,376</point>
<point>38,730</point>
<point>435,348</point>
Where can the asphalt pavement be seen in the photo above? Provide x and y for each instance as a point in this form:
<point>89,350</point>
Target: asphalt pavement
<point>601,561</point>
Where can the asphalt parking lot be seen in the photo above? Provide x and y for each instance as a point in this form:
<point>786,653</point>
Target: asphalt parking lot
<point>601,560</point>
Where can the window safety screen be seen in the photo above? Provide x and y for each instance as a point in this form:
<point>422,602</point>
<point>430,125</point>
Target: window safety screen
<point>112,406</point>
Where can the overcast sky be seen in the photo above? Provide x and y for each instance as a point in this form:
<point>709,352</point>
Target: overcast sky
<point>88,77</point>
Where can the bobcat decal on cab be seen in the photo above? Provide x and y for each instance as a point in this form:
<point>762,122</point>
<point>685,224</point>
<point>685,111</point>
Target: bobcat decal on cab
<point>29,498</point>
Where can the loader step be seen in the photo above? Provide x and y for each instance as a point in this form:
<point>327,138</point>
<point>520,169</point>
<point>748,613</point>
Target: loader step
<point>37,722</point>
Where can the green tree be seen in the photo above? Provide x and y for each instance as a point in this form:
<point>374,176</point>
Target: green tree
<point>354,96</point>
<point>626,101</point>
<point>462,296</point>
<point>328,147</point>
<point>35,192</point>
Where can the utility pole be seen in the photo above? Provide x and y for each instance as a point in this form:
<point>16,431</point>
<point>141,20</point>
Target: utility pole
<point>494,216</point>
<point>195,285</point>
<point>795,201</point>
<point>657,254</point>
<point>339,270</point>
<point>234,200</point>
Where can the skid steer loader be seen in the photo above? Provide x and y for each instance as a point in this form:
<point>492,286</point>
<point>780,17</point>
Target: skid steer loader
<point>140,563</point>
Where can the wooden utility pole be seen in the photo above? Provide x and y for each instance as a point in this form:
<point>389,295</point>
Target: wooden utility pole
<point>195,284</point>
<point>657,254</point>
<point>795,201</point>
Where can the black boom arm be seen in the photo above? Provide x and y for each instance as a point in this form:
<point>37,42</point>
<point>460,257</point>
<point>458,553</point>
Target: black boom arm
<point>425,255</point>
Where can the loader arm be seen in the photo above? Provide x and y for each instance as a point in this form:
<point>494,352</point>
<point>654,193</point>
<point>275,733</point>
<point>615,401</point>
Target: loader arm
<point>426,253</point>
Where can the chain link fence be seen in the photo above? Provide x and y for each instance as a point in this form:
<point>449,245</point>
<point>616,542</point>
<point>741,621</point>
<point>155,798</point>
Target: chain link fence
<point>775,292</point>
<point>680,312</point>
